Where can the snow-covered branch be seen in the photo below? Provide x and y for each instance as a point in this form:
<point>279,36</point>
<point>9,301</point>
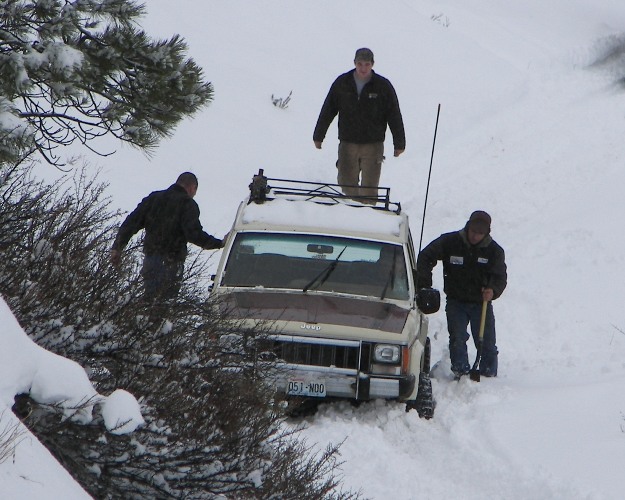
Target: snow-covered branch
<point>77,70</point>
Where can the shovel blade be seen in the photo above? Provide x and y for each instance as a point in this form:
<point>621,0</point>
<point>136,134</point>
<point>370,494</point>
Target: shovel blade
<point>474,375</point>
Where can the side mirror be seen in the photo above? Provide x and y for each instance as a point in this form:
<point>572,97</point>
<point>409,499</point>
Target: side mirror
<point>428,300</point>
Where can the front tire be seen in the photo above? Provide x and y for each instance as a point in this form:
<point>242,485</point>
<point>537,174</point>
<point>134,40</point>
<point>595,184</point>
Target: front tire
<point>424,402</point>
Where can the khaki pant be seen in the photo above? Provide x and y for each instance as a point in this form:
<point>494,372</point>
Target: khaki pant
<point>360,162</point>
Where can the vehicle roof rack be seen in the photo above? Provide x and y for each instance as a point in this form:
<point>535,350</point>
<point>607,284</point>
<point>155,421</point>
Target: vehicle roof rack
<point>264,188</point>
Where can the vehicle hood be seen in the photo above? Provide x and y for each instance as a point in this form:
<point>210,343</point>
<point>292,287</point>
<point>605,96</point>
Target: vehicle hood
<point>314,308</point>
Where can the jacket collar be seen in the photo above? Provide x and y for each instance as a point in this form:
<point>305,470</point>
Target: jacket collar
<point>177,188</point>
<point>482,244</point>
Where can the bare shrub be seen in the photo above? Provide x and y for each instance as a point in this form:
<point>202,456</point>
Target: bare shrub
<point>281,102</point>
<point>11,434</point>
<point>212,424</point>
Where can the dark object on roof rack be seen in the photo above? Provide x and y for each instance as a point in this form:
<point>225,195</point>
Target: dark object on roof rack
<point>258,187</point>
<point>319,192</point>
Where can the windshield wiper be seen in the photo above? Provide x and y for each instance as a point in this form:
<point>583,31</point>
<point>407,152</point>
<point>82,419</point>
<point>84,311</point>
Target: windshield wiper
<point>325,273</point>
<point>391,276</point>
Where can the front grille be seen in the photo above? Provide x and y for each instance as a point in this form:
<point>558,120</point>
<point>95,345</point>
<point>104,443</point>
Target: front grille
<point>316,353</point>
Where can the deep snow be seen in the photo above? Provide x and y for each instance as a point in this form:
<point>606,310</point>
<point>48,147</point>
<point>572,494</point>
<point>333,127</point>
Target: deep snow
<point>531,130</point>
<point>29,471</point>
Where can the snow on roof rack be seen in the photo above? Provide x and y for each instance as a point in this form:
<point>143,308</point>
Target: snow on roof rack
<point>262,190</point>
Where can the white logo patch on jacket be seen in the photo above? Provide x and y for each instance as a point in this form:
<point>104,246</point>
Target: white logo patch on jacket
<point>456,259</point>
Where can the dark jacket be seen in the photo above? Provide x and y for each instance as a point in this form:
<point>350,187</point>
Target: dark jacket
<point>466,268</point>
<point>171,218</point>
<point>362,120</point>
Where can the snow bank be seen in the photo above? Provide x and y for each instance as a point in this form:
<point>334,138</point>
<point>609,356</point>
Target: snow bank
<point>26,368</point>
<point>121,412</point>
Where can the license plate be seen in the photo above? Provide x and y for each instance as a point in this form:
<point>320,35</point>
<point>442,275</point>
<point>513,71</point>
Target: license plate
<point>310,388</point>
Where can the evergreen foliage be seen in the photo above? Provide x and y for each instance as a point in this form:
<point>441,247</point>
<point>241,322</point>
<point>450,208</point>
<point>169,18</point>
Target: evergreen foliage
<point>77,70</point>
<point>212,424</point>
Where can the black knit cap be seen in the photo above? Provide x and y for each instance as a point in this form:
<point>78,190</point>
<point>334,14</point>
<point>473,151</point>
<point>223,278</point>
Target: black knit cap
<point>479,222</point>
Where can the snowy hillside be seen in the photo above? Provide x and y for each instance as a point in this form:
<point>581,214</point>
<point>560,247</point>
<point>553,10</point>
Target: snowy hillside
<point>531,130</point>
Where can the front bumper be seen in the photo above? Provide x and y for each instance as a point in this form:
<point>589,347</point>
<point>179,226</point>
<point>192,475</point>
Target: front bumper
<point>343,383</point>
<point>343,367</point>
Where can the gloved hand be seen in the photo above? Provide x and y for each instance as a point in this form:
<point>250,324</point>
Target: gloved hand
<point>224,240</point>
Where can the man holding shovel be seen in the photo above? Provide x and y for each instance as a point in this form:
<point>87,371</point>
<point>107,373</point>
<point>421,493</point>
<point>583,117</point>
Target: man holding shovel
<point>474,273</point>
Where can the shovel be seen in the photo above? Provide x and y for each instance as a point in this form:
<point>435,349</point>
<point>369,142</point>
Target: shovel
<point>474,374</point>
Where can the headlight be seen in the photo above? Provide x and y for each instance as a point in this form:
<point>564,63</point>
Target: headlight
<point>385,353</point>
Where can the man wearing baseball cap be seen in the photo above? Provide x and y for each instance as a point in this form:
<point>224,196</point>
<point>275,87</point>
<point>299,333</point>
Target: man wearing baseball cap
<point>366,103</point>
<point>474,271</point>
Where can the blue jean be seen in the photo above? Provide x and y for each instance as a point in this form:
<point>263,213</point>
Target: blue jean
<point>459,316</point>
<point>162,277</point>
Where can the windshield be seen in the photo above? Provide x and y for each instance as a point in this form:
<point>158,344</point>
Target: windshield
<point>311,262</point>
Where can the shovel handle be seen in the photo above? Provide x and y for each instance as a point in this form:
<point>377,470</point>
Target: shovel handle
<point>483,319</point>
<point>474,374</point>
